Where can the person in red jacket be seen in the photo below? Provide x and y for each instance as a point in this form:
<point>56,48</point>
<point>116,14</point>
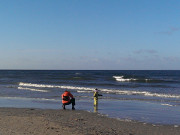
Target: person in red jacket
<point>67,98</point>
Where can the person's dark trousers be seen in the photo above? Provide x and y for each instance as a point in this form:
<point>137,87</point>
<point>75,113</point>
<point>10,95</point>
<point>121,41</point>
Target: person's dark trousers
<point>72,101</point>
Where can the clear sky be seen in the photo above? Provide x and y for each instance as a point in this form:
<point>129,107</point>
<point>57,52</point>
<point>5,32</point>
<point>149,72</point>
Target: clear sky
<point>90,34</point>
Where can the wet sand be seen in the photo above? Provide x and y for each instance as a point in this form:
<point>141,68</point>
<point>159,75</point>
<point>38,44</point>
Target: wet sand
<point>15,121</point>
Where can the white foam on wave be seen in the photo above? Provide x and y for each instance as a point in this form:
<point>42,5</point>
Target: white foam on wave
<point>122,79</point>
<point>24,98</point>
<point>83,91</point>
<point>143,93</point>
<point>114,91</point>
<point>52,86</point>
<point>167,105</point>
<point>30,89</point>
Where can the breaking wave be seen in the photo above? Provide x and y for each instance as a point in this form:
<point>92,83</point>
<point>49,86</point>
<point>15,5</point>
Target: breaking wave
<point>167,105</point>
<point>122,79</point>
<point>30,89</point>
<point>52,86</point>
<point>88,89</point>
<point>26,98</point>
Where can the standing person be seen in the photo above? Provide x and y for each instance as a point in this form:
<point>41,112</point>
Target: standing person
<point>67,98</point>
<point>96,95</point>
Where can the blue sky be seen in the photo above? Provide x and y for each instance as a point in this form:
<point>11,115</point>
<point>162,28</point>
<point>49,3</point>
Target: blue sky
<point>90,34</point>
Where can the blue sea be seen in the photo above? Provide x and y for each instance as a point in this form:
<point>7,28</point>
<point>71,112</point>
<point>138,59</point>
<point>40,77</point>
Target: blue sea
<point>149,96</point>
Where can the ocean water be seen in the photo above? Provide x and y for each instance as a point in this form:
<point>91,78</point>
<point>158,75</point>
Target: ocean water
<point>146,96</point>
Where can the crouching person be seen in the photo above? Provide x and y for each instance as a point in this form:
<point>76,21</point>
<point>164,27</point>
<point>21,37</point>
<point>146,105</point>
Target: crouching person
<point>67,99</point>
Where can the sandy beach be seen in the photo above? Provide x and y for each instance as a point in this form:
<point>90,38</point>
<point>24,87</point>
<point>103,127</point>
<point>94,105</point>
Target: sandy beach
<point>15,121</point>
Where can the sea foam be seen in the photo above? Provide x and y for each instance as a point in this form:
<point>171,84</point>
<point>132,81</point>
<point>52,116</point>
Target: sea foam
<point>30,89</point>
<point>122,79</point>
<point>87,89</point>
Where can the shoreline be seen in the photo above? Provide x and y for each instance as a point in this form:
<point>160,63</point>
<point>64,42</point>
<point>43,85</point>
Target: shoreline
<point>145,112</point>
<point>31,121</point>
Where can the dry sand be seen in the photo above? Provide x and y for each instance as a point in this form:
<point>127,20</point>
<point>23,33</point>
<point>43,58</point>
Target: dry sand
<point>15,121</point>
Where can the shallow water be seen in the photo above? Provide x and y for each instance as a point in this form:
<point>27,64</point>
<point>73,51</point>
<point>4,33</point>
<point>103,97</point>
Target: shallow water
<point>148,112</point>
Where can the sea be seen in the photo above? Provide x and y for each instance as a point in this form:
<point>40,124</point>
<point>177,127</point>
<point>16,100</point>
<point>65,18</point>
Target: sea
<point>149,96</point>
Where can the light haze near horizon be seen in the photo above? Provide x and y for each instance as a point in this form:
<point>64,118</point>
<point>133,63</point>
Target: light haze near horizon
<point>90,34</point>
